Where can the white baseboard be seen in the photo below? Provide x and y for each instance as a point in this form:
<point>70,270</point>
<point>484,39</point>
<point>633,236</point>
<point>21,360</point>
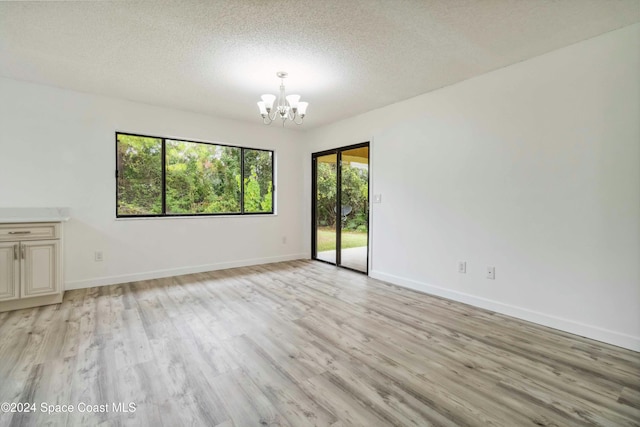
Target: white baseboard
<point>158,274</point>
<point>566,325</point>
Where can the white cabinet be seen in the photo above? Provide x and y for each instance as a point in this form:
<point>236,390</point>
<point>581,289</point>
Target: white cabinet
<point>30,265</point>
<point>39,272</point>
<point>9,271</point>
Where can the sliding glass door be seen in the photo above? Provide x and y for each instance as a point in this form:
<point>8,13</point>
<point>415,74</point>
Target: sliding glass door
<point>341,207</point>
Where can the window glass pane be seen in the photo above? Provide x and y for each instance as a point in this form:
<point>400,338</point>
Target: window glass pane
<point>139,175</point>
<point>354,213</point>
<point>325,207</point>
<point>258,181</point>
<point>202,178</point>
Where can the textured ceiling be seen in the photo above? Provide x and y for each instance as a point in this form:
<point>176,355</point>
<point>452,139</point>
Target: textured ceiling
<point>344,57</point>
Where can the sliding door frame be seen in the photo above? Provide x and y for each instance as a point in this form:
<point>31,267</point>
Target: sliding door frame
<point>314,197</point>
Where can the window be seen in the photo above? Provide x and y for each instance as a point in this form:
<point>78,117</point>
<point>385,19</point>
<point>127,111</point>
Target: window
<point>139,175</point>
<point>169,177</point>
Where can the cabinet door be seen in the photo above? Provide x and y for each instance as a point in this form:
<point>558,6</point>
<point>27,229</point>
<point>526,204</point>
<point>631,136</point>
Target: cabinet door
<point>9,271</point>
<point>40,268</point>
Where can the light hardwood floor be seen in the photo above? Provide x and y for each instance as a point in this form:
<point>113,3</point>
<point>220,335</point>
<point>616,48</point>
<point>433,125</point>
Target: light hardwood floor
<point>302,343</point>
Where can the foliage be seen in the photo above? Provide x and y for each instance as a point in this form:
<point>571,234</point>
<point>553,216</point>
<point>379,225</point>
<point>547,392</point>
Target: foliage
<point>140,175</point>
<point>258,182</point>
<point>326,194</point>
<point>355,193</point>
<point>200,178</point>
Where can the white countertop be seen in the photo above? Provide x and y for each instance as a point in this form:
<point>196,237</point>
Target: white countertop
<point>14,215</point>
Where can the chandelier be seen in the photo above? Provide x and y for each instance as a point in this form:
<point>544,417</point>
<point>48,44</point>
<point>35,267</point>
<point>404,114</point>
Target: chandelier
<point>284,107</point>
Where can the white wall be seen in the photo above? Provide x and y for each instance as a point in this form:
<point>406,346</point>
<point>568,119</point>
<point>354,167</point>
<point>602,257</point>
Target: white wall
<point>534,169</point>
<point>57,148</point>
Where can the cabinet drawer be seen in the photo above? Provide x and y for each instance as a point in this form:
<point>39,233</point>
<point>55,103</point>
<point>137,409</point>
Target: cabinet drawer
<point>31,231</point>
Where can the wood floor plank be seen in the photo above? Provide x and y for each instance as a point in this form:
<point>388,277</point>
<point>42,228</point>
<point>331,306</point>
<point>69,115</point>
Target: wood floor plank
<point>302,343</point>
<point>245,403</point>
<point>280,388</point>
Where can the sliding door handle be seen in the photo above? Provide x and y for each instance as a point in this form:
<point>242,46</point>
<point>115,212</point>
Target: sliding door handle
<point>23,252</point>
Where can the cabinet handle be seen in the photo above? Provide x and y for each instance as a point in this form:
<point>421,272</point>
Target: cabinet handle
<point>15,251</point>
<point>23,252</point>
<point>19,232</point>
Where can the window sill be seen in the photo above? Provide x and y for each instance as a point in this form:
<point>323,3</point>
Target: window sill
<point>181,217</point>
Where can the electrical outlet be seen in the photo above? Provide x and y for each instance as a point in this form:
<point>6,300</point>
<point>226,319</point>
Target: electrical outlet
<point>98,256</point>
<point>462,267</point>
<point>491,273</point>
